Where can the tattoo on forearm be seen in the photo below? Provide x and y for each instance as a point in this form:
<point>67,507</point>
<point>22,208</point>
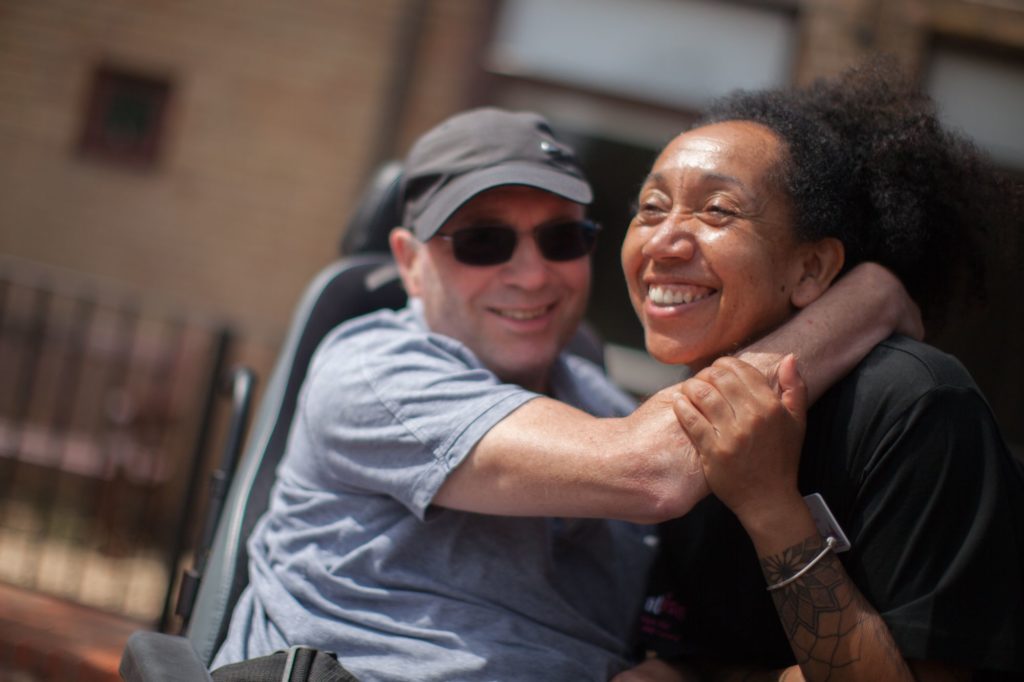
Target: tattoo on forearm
<point>825,634</point>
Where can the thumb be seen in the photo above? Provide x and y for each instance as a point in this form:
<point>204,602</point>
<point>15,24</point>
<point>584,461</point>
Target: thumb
<point>792,387</point>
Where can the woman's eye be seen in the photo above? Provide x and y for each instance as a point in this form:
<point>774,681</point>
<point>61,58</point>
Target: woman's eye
<point>647,210</point>
<point>719,214</point>
<point>721,210</point>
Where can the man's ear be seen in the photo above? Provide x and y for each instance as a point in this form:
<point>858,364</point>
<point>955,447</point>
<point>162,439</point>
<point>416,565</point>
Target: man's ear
<point>406,250</point>
<point>820,262</point>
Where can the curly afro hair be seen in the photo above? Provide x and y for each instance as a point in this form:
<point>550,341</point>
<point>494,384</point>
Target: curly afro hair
<point>869,164</point>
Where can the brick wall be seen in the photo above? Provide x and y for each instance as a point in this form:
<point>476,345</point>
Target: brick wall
<point>274,113</point>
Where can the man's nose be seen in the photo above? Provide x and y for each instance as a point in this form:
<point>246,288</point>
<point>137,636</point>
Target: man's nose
<point>674,237</point>
<point>527,268</point>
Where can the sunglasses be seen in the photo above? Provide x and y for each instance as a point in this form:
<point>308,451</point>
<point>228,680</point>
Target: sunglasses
<point>495,244</point>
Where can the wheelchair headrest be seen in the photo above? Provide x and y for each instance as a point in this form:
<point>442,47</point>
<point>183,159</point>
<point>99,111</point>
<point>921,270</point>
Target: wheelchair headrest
<point>378,211</point>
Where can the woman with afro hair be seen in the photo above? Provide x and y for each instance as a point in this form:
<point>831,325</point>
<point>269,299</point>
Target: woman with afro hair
<point>743,220</point>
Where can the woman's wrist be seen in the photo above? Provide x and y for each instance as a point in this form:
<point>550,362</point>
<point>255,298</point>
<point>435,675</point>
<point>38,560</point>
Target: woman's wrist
<point>775,525</point>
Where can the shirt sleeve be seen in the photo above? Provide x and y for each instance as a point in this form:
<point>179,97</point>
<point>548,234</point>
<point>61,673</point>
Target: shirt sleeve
<point>425,396</point>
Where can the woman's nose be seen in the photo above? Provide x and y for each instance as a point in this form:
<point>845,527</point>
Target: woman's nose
<point>673,238</point>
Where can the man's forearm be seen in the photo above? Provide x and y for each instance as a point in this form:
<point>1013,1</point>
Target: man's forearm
<point>830,336</point>
<point>549,459</point>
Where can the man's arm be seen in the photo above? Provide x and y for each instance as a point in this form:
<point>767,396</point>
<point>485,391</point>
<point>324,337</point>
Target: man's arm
<point>549,459</point>
<point>830,336</point>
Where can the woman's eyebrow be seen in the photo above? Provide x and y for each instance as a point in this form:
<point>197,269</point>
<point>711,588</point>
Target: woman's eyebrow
<point>658,178</point>
<point>730,180</point>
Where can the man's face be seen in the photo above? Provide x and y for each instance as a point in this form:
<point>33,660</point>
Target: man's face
<point>710,258</point>
<point>515,316</point>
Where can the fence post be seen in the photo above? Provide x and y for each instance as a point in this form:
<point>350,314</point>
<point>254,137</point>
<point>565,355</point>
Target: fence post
<point>186,512</point>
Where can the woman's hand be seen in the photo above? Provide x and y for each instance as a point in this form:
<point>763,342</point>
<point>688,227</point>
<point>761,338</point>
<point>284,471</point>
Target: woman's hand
<point>748,436</point>
<point>654,670</point>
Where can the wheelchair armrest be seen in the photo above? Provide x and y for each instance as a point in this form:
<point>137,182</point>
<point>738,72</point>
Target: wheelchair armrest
<point>158,657</point>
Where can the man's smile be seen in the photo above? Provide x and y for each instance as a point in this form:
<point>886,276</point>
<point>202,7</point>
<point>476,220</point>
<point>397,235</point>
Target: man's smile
<point>531,313</point>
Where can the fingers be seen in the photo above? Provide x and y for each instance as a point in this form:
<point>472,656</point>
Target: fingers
<point>791,384</point>
<point>705,392</point>
<point>653,670</point>
<point>751,377</point>
<point>738,384</point>
<point>694,423</point>
<point>724,405</point>
<point>715,407</point>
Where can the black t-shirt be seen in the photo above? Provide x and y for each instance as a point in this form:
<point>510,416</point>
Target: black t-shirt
<point>910,461</point>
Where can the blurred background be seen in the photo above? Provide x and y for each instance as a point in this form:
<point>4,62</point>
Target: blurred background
<point>172,174</point>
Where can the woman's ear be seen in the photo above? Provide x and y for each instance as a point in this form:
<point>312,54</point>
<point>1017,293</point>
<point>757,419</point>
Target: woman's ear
<point>821,262</point>
<point>406,250</point>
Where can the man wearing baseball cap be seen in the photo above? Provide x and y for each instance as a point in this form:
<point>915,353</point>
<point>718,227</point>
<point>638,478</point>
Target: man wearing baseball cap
<point>439,513</point>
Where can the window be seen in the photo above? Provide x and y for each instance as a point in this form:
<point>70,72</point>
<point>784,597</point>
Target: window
<point>125,117</point>
<point>677,53</point>
<point>982,95</point>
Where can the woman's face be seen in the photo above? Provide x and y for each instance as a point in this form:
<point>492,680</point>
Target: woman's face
<point>710,257</point>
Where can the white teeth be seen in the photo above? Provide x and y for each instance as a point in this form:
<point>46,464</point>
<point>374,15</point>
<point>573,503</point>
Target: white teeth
<point>521,314</point>
<point>677,295</point>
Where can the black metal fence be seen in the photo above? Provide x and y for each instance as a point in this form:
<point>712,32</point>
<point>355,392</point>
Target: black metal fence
<point>104,418</point>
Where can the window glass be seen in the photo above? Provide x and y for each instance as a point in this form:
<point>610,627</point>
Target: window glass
<point>674,52</point>
<point>984,98</point>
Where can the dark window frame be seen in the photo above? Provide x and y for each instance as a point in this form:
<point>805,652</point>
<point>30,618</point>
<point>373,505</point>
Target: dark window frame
<point>126,117</point>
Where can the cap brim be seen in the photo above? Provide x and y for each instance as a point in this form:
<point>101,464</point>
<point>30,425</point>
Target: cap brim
<point>456,193</point>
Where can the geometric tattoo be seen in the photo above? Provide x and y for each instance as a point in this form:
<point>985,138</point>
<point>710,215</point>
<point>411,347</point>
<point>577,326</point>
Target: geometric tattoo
<point>824,633</point>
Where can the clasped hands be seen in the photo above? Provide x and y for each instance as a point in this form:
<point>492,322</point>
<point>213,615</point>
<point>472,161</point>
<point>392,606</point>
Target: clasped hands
<point>747,433</point>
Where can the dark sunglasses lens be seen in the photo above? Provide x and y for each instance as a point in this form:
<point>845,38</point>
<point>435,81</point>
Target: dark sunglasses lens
<point>566,241</point>
<point>483,245</point>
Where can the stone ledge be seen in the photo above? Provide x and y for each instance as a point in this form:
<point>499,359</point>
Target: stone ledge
<point>48,638</point>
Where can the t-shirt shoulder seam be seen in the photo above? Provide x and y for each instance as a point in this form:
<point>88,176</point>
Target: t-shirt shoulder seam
<point>443,461</point>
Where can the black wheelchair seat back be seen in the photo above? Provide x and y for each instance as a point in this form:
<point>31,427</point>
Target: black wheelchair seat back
<point>350,287</point>
<point>362,280</point>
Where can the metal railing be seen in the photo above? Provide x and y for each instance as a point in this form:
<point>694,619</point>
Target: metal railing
<point>105,415</point>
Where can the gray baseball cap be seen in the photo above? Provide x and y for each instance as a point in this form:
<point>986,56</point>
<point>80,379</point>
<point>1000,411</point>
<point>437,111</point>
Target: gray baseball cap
<point>479,150</point>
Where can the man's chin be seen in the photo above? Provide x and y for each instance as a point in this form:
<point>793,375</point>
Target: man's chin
<point>529,371</point>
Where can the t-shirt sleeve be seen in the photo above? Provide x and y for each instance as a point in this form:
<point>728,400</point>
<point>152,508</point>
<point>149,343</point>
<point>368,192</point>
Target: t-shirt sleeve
<point>938,538</point>
<point>424,396</point>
